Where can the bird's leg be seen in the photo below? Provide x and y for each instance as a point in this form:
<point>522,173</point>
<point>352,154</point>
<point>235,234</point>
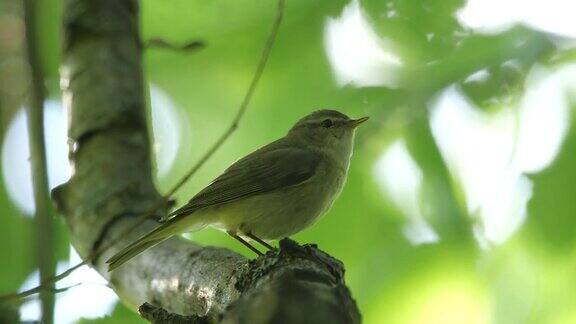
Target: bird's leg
<point>255,238</point>
<point>248,245</point>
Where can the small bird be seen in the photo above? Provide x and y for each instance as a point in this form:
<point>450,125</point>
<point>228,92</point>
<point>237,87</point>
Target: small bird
<point>273,192</point>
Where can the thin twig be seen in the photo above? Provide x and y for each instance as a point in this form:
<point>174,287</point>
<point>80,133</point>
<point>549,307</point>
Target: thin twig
<point>44,229</point>
<point>247,97</point>
<point>44,285</point>
<point>59,290</point>
<point>166,198</point>
<point>188,47</point>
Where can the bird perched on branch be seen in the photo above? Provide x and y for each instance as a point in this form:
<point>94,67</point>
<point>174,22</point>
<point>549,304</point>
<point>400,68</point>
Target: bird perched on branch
<point>272,193</point>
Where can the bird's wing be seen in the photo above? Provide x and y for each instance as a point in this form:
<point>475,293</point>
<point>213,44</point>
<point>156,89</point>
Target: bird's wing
<point>260,172</point>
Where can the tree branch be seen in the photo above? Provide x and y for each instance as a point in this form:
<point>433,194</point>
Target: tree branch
<point>188,47</point>
<point>44,229</point>
<point>296,284</point>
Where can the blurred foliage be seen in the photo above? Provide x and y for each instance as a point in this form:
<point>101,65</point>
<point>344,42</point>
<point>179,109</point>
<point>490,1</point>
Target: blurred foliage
<point>553,207</point>
<point>8,314</point>
<point>525,279</point>
<point>119,315</point>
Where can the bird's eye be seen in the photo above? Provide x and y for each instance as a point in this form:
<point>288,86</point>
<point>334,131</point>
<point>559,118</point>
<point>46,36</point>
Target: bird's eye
<point>327,123</point>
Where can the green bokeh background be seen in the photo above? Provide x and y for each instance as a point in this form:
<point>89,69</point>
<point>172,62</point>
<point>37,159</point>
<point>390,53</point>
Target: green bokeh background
<point>527,279</point>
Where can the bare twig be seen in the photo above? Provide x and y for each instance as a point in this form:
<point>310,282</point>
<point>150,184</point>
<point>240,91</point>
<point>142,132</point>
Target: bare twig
<point>191,46</point>
<point>44,231</point>
<point>166,198</point>
<point>243,105</point>
<point>59,290</point>
<point>46,284</point>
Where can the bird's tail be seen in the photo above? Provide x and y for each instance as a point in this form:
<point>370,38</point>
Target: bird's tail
<point>156,236</point>
<point>131,251</point>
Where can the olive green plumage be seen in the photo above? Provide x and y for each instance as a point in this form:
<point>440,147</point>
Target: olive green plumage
<point>271,193</point>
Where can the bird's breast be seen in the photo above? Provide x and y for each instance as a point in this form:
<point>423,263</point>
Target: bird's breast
<point>287,211</point>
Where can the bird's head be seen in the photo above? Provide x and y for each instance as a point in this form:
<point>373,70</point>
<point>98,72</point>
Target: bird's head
<point>327,129</point>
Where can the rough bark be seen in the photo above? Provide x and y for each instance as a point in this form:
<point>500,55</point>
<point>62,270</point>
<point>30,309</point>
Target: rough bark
<point>112,186</point>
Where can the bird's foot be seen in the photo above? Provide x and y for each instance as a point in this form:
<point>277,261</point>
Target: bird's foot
<point>262,242</point>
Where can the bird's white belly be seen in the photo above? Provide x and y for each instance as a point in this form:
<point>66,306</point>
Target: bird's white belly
<point>279,214</point>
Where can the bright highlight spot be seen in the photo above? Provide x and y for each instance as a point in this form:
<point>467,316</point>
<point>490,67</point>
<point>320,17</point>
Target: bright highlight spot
<point>167,126</point>
<point>91,299</point>
<point>439,294</point>
<point>544,117</point>
<point>401,179</point>
<point>452,300</point>
<point>359,56</point>
<point>553,16</point>
<point>168,129</point>
<point>490,153</point>
<point>16,153</point>
<point>477,147</point>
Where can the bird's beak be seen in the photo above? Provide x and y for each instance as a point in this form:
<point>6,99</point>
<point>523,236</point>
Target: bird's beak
<point>356,122</point>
